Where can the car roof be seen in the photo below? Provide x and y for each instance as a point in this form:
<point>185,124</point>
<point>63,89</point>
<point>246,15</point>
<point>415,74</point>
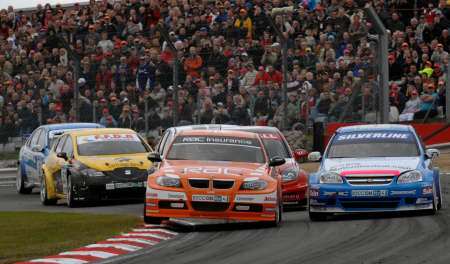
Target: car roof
<point>254,129</point>
<point>100,131</point>
<point>379,127</point>
<point>70,126</point>
<point>242,134</point>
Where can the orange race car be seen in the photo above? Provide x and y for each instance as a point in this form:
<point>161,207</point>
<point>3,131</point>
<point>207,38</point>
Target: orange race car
<point>215,175</point>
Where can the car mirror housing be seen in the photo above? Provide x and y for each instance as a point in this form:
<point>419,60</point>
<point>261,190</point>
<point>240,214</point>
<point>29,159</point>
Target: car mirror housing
<point>314,156</point>
<point>154,157</point>
<point>37,148</point>
<point>62,155</point>
<point>276,161</point>
<point>432,153</point>
<point>300,155</point>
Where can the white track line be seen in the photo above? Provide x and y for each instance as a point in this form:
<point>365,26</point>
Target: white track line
<point>125,247</point>
<point>60,260</point>
<point>155,230</point>
<point>94,253</point>
<point>137,240</point>
<point>146,235</point>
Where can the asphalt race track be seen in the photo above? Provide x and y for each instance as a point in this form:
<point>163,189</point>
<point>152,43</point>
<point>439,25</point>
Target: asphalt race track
<point>387,238</point>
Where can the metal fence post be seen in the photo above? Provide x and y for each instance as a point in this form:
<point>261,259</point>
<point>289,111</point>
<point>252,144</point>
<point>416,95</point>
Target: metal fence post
<point>447,95</point>
<point>94,111</point>
<point>76,90</point>
<point>175,88</point>
<point>146,116</point>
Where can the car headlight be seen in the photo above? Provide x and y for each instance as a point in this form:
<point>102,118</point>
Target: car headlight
<point>410,177</point>
<point>330,178</point>
<point>289,175</point>
<point>253,184</point>
<point>92,173</point>
<point>169,181</point>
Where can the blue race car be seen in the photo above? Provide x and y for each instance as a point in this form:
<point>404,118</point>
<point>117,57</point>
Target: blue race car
<point>373,168</point>
<point>33,154</point>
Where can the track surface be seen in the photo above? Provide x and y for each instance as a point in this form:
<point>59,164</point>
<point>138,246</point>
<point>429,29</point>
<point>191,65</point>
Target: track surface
<point>405,238</point>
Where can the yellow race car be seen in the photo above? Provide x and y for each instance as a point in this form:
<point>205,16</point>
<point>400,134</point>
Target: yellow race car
<point>95,164</point>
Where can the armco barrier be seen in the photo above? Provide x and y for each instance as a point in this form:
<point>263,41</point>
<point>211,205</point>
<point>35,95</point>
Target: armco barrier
<point>8,176</point>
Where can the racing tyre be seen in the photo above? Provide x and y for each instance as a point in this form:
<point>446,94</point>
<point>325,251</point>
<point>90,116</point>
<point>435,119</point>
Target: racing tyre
<point>20,182</point>
<point>44,193</point>
<point>70,196</point>
<point>439,205</point>
<point>278,215</point>
<point>435,202</point>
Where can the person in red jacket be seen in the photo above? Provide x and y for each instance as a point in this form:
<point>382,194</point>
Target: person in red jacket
<point>274,75</point>
<point>262,77</point>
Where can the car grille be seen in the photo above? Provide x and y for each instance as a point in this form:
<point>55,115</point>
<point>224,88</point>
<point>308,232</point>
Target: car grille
<point>369,179</point>
<point>128,173</point>
<point>223,184</point>
<point>205,183</point>
<point>210,206</point>
<point>371,204</point>
<point>199,183</point>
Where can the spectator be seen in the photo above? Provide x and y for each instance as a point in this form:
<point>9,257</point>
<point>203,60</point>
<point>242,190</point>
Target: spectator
<point>107,119</point>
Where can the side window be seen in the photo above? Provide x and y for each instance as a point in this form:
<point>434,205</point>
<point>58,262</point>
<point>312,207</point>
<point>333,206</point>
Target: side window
<point>60,144</point>
<point>68,147</point>
<point>41,139</point>
<point>30,138</point>
<point>35,138</point>
<point>161,143</point>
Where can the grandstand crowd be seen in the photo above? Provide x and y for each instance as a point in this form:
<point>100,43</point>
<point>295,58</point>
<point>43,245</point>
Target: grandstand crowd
<point>230,62</point>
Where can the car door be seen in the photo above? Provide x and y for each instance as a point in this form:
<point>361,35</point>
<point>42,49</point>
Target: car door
<point>39,155</point>
<point>68,149</point>
<point>29,156</point>
<point>55,164</point>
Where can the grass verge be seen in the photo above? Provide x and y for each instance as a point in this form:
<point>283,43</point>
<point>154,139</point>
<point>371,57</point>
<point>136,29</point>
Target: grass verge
<point>28,235</point>
<point>9,156</point>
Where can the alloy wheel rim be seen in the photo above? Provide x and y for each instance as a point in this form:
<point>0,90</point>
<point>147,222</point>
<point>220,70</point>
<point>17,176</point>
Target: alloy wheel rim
<point>43,190</point>
<point>19,179</point>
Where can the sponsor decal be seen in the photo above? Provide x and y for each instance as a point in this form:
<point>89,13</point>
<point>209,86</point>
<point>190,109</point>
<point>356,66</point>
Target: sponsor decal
<point>127,172</point>
<point>315,202</point>
<point>123,185</point>
<point>369,193</point>
<point>374,135</point>
<point>216,140</point>
<point>210,198</point>
<point>178,196</point>
<point>291,197</point>
<point>359,166</point>
<point>408,192</point>
<point>257,198</point>
<point>313,193</point>
<point>165,195</point>
<point>272,136</point>
<point>211,170</point>
<point>109,186</point>
<point>427,190</point>
<point>244,198</point>
<point>329,193</point>
<point>270,199</point>
<point>107,138</point>
<point>343,193</point>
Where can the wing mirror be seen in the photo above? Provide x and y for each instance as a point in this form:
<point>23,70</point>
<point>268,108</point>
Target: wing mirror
<point>154,157</point>
<point>314,156</point>
<point>37,148</point>
<point>300,155</point>
<point>62,155</point>
<point>432,153</point>
<point>276,161</point>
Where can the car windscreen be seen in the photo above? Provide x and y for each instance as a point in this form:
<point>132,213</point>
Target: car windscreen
<point>373,144</point>
<point>274,145</point>
<point>110,144</point>
<point>53,135</point>
<point>216,148</point>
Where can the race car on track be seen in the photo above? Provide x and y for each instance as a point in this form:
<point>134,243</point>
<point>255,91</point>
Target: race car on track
<point>36,149</point>
<point>215,175</point>
<point>372,168</point>
<point>294,179</point>
<point>95,164</point>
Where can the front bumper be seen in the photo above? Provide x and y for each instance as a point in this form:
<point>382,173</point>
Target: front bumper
<point>294,193</point>
<point>344,198</point>
<point>110,187</point>
<point>179,204</point>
